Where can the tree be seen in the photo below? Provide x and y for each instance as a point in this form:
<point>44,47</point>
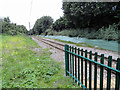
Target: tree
<point>62,23</point>
<point>7,19</point>
<point>90,14</point>
<point>42,24</point>
<point>12,28</point>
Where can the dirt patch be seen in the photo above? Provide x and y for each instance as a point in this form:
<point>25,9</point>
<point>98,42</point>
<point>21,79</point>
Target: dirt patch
<point>57,55</point>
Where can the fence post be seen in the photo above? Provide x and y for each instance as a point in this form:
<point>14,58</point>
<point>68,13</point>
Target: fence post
<point>117,84</point>
<point>66,59</point>
<point>78,66</point>
<point>70,69</point>
<point>109,73</point>
<point>95,72</point>
<point>90,70</point>
<point>85,69</point>
<point>75,64</point>
<point>73,61</point>
<point>101,72</point>
<point>81,66</point>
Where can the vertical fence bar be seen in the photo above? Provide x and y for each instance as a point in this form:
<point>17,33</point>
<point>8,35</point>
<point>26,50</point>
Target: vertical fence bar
<point>78,66</point>
<point>75,64</point>
<point>90,69</point>
<point>70,61</point>
<point>85,69</point>
<point>73,61</point>
<point>95,72</point>
<point>101,72</point>
<point>117,82</point>
<point>81,66</point>
<point>109,73</point>
<point>66,60</point>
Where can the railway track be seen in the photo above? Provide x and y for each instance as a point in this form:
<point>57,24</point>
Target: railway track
<point>43,40</point>
<point>61,47</point>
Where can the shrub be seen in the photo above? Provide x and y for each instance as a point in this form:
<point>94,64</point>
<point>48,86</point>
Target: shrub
<point>110,33</point>
<point>12,32</point>
<point>50,32</point>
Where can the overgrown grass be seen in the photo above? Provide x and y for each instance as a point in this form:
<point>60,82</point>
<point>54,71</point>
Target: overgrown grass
<point>25,67</point>
<point>107,33</point>
<point>80,44</point>
<point>77,44</point>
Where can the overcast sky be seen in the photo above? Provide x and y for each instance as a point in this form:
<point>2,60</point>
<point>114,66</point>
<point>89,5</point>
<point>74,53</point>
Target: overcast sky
<point>19,10</point>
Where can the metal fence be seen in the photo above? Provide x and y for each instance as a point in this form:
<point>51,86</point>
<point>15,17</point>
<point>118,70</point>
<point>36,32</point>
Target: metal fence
<point>84,67</point>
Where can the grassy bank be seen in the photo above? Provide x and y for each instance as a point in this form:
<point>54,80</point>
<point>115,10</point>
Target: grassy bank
<point>77,44</point>
<point>26,65</point>
<point>106,33</point>
<point>80,44</point>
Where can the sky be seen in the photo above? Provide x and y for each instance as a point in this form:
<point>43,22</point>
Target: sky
<point>22,12</point>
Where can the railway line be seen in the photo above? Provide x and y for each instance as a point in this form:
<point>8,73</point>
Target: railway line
<point>52,42</point>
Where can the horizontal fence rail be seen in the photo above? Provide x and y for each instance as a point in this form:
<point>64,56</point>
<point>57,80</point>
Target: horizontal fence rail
<point>83,68</point>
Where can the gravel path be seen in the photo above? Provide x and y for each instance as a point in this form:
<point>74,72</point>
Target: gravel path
<point>58,55</point>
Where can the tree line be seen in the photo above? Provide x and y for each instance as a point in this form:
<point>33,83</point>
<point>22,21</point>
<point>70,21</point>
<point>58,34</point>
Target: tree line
<point>11,28</point>
<point>81,15</point>
<point>94,20</point>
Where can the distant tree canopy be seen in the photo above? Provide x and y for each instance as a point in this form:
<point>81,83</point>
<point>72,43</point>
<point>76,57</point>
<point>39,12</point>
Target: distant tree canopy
<point>12,28</point>
<point>41,25</point>
<point>90,14</point>
<point>62,23</point>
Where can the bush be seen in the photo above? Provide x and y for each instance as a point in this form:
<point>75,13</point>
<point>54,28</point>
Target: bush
<point>50,32</point>
<point>110,33</point>
<point>107,33</point>
<point>12,32</point>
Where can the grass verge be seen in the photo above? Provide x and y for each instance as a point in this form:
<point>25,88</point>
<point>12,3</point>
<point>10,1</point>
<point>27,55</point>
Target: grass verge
<point>0,61</point>
<point>26,65</point>
<point>81,44</point>
<point>77,44</point>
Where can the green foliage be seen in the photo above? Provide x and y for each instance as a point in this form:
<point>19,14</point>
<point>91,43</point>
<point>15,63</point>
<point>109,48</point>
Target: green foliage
<point>1,21</point>
<point>90,14</point>
<point>77,44</point>
<point>25,67</point>
<point>107,33</point>
<point>110,33</point>
<point>50,32</point>
<point>42,24</point>
<point>7,20</point>
<point>62,23</point>
<point>11,28</point>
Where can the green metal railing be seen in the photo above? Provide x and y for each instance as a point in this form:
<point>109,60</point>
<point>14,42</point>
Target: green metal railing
<point>77,62</point>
